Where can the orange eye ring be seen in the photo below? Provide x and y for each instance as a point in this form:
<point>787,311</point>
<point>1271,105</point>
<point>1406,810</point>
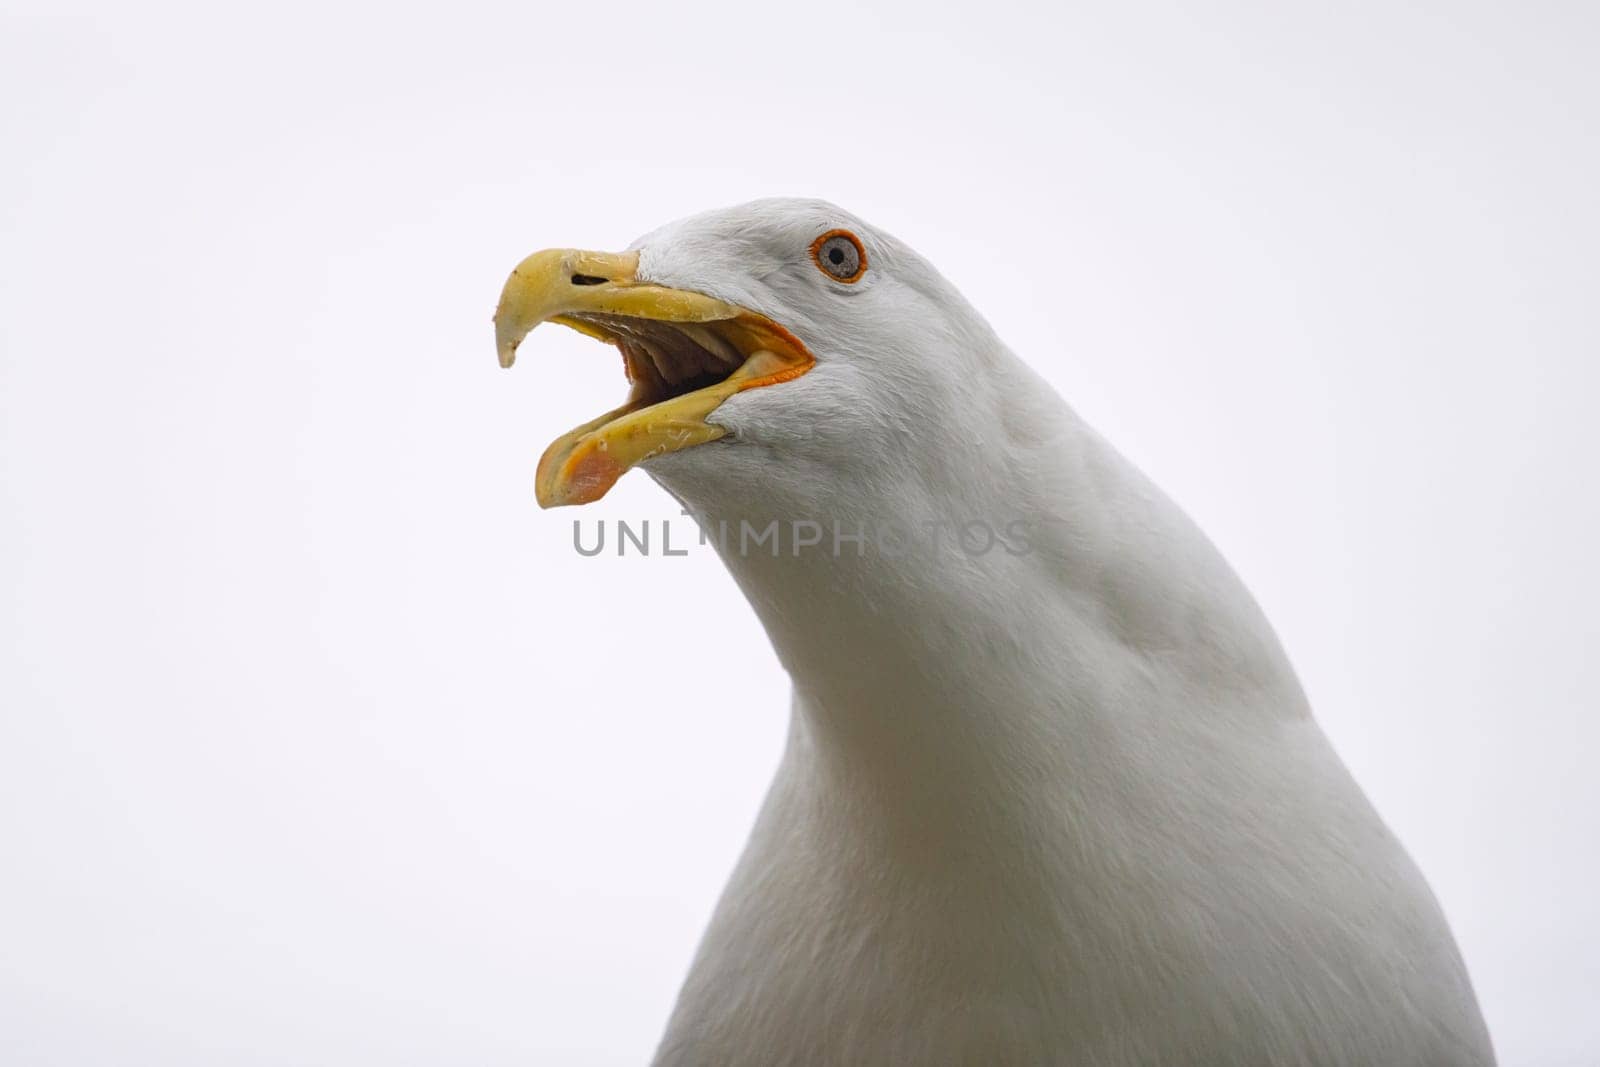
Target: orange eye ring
<point>832,253</point>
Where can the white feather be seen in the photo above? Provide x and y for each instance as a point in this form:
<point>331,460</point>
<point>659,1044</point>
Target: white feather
<point>1065,805</point>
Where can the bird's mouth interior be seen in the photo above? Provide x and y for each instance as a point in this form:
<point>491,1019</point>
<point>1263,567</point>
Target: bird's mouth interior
<point>678,373</point>
<point>664,360</point>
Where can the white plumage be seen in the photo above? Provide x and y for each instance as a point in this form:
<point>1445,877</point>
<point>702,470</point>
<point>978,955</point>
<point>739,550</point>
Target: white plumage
<point>1058,806</point>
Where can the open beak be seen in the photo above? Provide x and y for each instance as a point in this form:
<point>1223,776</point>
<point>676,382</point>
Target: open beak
<point>683,352</point>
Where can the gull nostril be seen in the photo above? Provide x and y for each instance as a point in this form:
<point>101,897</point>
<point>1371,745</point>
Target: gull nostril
<point>588,279</point>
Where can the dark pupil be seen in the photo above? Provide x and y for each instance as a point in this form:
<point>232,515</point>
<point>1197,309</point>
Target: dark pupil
<point>836,256</point>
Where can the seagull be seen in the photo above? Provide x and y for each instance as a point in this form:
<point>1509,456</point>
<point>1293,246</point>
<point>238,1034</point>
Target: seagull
<point>1051,791</point>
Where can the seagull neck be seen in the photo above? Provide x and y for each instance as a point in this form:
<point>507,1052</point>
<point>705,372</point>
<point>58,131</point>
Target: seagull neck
<point>1082,617</point>
<point>932,666</point>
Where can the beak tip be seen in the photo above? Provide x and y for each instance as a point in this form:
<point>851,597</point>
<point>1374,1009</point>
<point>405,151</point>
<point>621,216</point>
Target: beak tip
<point>508,337</point>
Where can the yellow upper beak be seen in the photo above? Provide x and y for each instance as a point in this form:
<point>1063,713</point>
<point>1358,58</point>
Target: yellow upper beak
<point>668,337</point>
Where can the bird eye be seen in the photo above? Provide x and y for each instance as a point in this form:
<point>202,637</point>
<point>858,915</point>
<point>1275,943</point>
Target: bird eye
<point>839,255</point>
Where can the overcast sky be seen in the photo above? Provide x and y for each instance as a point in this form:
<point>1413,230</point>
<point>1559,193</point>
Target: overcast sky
<point>305,756</point>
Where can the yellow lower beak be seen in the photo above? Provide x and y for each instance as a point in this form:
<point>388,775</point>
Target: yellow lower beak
<point>684,352</point>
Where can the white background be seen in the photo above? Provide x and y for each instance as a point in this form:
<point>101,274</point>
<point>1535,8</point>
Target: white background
<point>320,745</point>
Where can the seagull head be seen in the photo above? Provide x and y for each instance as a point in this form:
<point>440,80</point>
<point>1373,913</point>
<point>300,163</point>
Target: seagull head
<point>784,340</point>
